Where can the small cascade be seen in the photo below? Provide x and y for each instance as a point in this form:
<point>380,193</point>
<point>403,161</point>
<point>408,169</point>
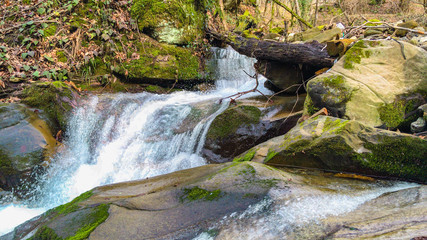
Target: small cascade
<point>120,137</point>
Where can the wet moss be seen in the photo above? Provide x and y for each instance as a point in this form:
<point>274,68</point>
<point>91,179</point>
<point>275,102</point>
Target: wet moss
<point>355,54</point>
<point>162,61</point>
<point>45,233</point>
<point>247,157</point>
<point>46,97</point>
<point>197,193</point>
<point>231,119</point>
<point>403,157</point>
<point>88,223</point>
<point>73,205</point>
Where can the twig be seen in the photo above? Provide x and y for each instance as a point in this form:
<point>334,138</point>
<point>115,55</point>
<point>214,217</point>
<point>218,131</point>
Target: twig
<point>302,20</point>
<point>239,94</point>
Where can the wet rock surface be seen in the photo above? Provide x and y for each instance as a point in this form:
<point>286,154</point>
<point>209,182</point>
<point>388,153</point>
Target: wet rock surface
<point>342,145</point>
<point>24,141</point>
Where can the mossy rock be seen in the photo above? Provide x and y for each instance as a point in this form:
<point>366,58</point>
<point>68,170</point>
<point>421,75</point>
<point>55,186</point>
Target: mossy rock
<point>229,121</point>
<point>173,22</point>
<point>171,206</point>
<point>372,83</point>
<point>345,145</point>
<point>55,99</point>
<point>164,65</point>
<point>25,140</point>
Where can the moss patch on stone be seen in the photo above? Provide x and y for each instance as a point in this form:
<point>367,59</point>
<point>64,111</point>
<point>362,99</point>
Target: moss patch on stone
<point>392,114</point>
<point>231,119</point>
<point>73,205</point>
<point>355,54</point>
<point>45,97</point>
<point>402,157</point>
<point>162,61</point>
<point>86,222</point>
<point>197,193</point>
<point>247,157</point>
<point>175,22</point>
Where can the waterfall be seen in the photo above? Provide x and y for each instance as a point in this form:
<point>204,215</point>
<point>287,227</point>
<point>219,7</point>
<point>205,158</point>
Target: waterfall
<point>120,137</point>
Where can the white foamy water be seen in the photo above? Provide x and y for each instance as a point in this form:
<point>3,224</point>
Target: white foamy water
<point>120,137</point>
<point>278,218</point>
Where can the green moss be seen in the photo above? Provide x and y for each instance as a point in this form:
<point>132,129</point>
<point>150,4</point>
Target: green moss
<point>231,119</point>
<point>404,157</point>
<point>247,171</point>
<point>50,30</point>
<point>61,56</point>
<point>45,233</point>
<point>271,153</point>
<point>392,114</point>
<point>196,193</point>
<point>373,22</point>
<point>73,205</point>
<point>98,216</point>
<point>177,21</point>
<point>249,34</point>
<point>247,157</point>
<point>6,167</point>
<point>162,61</point>
<point>46,97</point>
<point>277,30</point>
<point>355,54</point>
<point>309,108</point>
<point>334,126</point>
<point>88,223</point>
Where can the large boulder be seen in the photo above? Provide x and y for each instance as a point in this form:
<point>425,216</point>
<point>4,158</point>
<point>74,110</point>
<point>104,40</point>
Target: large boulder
<point>178,205</point>
<point>25,139</point>
<point>242,127</point>
<point>171,22</point>
<point>54,99</point>
<point>163,65</point>
<point>379,83</point>
<point>346,145</point>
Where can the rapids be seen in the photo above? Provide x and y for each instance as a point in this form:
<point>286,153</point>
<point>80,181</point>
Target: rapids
<point>120,137</point>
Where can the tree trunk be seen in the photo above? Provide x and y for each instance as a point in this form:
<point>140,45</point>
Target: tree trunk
<point>313,54</point>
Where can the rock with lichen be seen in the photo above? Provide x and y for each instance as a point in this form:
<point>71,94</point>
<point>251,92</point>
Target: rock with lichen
<point>379,83</point>
<point>346,145</point>
<point>172,22</point>
<point>25,140</point>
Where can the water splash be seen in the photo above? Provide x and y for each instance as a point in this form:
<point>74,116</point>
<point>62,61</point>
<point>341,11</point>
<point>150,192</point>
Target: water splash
<point>279,217</point>
<point>119,137</point>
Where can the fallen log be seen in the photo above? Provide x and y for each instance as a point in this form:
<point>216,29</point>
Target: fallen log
<point>313,54</point>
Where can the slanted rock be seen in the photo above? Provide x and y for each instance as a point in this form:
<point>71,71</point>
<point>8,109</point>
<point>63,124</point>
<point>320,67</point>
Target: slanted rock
<point>346,145</point>
<point>396,215</point>
<point>177,206</point>
<point>25,139</point>
<point>379,83</point>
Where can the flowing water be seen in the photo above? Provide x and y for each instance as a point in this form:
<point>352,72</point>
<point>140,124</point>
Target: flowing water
<point>119,137</point>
